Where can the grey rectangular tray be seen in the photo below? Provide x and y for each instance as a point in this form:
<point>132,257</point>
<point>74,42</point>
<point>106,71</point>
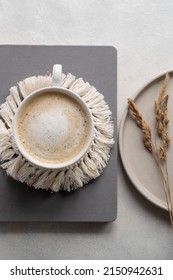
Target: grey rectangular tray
<point>95,202</point>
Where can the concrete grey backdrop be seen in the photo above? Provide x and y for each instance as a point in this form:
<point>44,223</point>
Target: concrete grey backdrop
<point>141,30</point>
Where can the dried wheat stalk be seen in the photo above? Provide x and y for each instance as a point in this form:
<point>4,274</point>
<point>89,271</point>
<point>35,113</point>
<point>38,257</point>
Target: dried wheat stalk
<point>162,121</point>
<point>146,130</point>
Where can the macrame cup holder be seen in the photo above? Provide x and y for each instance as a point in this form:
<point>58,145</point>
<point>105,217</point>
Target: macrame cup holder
<point>89,167</point>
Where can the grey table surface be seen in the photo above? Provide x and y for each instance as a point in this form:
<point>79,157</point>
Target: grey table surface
<point>141,30</point>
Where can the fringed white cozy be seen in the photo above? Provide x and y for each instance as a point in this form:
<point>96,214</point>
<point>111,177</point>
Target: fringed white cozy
<point>75,176</point>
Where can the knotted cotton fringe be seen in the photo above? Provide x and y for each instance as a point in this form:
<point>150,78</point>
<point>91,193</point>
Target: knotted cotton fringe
<point>80,173</point>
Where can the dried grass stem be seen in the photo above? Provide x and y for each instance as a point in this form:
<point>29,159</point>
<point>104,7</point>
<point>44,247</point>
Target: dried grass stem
<point>162,121</point>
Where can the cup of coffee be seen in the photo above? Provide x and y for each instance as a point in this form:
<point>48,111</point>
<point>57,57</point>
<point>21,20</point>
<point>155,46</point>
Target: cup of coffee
<point>53,127</point>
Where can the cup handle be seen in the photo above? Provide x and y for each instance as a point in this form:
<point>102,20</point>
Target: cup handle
<point>56,75</point>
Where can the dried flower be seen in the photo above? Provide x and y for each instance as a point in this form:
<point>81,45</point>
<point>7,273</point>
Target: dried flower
<point>146,130</point>
<point>162,121</point>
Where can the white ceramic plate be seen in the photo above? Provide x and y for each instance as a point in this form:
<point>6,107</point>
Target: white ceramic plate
<point>138,162</point>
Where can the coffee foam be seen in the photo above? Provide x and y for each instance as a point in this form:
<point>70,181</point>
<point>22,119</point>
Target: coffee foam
<point>53,127</point>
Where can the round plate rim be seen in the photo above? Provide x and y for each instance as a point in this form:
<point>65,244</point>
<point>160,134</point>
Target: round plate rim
<point>149,196</point>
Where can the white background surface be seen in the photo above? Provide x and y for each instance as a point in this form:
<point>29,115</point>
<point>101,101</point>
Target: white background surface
<point>142,32</point>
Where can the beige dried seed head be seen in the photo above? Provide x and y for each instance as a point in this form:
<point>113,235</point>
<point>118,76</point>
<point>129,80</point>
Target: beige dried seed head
<point>146,130</point>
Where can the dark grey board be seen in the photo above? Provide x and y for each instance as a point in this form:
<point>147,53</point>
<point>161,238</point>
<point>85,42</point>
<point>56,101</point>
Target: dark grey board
<point>95,202</point>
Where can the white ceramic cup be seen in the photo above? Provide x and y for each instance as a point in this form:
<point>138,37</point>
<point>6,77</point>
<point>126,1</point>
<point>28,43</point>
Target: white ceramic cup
<point>59,121</point>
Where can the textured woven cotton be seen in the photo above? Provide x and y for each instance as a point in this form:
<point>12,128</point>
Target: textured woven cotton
<point>92,163</point>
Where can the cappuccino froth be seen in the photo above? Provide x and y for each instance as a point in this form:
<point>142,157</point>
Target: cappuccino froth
<point>53,127</point>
